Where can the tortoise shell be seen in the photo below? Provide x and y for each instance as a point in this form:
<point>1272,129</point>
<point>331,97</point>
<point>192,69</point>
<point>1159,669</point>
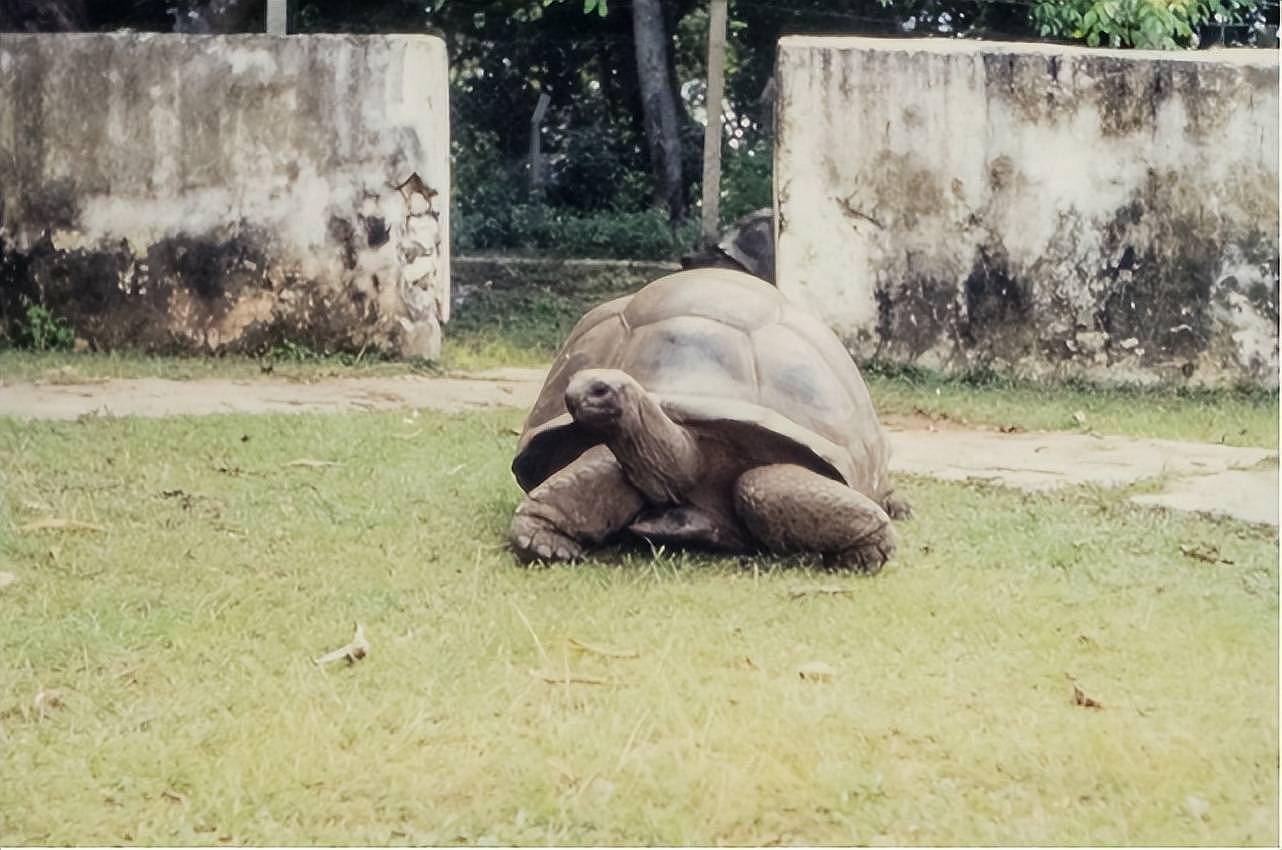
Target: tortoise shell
<point>717,346</point>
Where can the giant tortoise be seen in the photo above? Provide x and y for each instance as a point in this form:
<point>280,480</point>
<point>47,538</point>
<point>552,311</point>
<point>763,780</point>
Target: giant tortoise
<point>705,410</point>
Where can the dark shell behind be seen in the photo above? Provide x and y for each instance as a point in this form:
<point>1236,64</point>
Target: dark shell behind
<point>716,345</point>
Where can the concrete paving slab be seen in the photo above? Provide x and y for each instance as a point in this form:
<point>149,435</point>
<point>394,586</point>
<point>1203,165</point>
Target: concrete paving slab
<point>151,397</point>
<point>1248,495</point>
<point>1044,461</point>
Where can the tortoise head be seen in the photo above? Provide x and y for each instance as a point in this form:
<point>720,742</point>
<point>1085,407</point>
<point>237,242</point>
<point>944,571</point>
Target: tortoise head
<point>659,456</point>
<point>599,399</point>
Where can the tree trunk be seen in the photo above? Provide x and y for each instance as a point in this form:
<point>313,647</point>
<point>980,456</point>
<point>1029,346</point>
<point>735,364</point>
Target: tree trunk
<point>658,104</point>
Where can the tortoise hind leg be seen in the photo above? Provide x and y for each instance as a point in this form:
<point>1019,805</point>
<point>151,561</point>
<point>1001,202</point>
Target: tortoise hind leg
<point>789,508</point>
<point>580,505</point>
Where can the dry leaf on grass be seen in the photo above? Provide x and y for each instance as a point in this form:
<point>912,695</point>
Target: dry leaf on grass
<point>352,652</point>
<point>1080,698</point>
<point>818,590</point>
<point>1209,554</point>
<point>174,797</point>
<point>46,702</point>
<point>816,671</point>
<point>61,524</point>
<point>312,464</point>
<point>7,579</point>
<point>605,651</point>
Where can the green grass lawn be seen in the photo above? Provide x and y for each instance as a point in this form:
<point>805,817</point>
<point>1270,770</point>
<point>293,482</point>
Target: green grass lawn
<point>178,628</point>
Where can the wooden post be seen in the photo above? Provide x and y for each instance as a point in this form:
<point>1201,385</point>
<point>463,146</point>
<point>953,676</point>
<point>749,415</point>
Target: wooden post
<point>536,147</point>
<point>277,17</point>
<point>712,133</point>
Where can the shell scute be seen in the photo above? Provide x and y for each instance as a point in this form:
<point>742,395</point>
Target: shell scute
<point>717,346</point>
<point>691,355</point>
<point>718,294</point>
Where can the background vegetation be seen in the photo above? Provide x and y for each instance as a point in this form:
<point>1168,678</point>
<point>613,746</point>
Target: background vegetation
<point>616,185</point>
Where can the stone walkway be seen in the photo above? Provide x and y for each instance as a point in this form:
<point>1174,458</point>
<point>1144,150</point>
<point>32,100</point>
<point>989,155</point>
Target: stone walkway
<point>1224,480</point>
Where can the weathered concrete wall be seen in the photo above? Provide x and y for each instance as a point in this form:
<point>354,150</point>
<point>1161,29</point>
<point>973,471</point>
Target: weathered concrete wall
<point>1038,210</point>
<point>194,193</point>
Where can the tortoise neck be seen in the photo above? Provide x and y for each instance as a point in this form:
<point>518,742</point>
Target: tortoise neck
<point>661,457</point>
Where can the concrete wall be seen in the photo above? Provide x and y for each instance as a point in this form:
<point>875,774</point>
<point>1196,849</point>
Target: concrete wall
<point>195,193</point>
<point>1038,210</point>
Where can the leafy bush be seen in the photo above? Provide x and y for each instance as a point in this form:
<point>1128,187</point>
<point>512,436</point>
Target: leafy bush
<point>544,230</point>
<point>1149,24</point>
<point>41,330</point>
<point>598,167</point>
<point>746,180</point>
<point>484,188</point>
<point>608,219</point>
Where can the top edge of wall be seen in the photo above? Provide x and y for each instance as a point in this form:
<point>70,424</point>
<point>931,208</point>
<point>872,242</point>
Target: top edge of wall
<point>1253,56</point>
<point>140,36</point>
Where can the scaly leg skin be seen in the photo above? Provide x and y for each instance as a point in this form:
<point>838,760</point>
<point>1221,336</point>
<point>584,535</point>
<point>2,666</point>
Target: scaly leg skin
<point>789,508</point>
<point>895,505</point>
<point>581,505</point>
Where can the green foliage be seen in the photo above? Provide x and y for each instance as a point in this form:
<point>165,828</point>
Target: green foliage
<point>543,230</point>
<point>1149,24</point>
<point>287,351</point>
<point>746,180</point>
<point>525,311</point>
<point>598,204</point>
<point>598,167</point>
<point>41,330</point>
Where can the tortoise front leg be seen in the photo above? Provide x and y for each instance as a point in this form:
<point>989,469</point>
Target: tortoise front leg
<point>895,505</point>
<point>581,505</point>
<point>789,508</point>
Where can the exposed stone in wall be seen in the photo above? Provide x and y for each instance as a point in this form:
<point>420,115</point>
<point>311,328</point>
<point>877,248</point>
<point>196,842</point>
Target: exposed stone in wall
<point>1033,209</point>
<point>217,194</point>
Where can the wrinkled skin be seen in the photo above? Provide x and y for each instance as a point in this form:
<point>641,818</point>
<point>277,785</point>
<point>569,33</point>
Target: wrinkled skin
<point>706,410</point>
<point>692,486</point>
